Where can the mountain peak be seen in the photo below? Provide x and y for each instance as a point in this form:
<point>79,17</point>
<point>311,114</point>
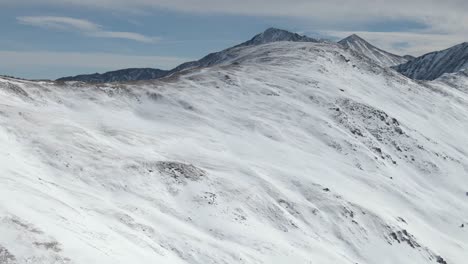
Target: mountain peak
<point>354,38</point>
<point>379,56</point>
<point>273,30</point>
<point>276,34</point>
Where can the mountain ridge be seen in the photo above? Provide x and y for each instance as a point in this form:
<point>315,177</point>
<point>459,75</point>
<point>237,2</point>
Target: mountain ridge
<point>268,36</point>
<point>432,65</point>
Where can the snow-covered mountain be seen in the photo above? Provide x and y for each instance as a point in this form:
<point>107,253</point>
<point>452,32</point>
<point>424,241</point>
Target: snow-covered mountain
<point>125,75</point>
<point>268,36</point>
<point>287,153</point>
<point>435,64</point>
<point>379,56</point>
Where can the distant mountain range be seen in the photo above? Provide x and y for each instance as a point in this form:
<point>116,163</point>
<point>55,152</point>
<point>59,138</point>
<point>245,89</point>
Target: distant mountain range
<point>131,74</point>
<point>426,67</point>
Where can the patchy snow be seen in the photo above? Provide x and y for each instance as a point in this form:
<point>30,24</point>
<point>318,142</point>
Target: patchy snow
<point>286,153</point>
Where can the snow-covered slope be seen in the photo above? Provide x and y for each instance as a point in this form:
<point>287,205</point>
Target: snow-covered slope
<point>381,57</point>
<point>435,64</point>
<point>289,153</point>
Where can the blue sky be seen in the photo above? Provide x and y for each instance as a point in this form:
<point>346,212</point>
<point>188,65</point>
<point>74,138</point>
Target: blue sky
<point>51,38</point>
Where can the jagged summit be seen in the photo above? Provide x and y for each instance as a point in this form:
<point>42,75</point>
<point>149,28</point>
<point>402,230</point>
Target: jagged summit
<point>433,65</point>
<point>379,56</point>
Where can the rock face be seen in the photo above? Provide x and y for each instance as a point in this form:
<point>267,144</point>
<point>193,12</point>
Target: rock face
<point>287,152</point>
<point>270,35</point>
<point>379,56</point>
<point>435,64</point>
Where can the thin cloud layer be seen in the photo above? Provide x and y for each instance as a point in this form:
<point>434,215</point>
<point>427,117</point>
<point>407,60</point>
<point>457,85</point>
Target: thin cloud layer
<point>85,27</point>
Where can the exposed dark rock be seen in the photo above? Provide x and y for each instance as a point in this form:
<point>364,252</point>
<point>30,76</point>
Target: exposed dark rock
<point>402,236</point>
<point>180,171</point>
<point>441,260</point>
<point>6,257</point>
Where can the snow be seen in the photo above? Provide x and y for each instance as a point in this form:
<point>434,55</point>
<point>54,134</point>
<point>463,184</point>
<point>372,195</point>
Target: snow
<point>284,153</point>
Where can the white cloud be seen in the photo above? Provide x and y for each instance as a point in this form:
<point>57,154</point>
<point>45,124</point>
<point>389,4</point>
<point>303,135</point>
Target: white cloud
<point>123,35</point>
<point>83,26</point>
<point>59,23</point>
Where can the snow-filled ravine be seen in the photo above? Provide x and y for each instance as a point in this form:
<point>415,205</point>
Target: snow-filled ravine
<point>285,153</point>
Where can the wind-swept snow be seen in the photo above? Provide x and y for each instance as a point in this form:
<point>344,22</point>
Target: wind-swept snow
<point>286,153</point>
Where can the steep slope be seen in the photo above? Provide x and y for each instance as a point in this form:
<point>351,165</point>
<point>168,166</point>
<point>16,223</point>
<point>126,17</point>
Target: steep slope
<point>381,57</point>
<point>125,75</point>
<point>435,64</point>
<point>289,153</point>
<point>268,36</point>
